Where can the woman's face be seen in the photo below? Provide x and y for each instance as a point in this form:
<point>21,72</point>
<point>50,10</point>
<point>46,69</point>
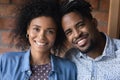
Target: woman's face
<point>42,33</point>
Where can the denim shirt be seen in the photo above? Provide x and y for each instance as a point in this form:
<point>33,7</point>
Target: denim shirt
<point>104,67</point>
<point>16,66</point>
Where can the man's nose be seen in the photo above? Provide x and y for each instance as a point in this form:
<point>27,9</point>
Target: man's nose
<point>76,33</point>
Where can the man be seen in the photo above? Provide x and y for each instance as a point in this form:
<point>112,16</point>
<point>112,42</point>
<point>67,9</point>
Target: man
<point>96,55</point>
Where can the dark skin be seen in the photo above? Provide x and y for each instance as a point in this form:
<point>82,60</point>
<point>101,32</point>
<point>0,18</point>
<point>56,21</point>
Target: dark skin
<point>83,34</point>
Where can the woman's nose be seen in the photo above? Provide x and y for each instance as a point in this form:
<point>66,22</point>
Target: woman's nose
<point>41,35</point>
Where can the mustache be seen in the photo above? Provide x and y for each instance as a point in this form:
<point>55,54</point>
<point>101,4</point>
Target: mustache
<point>80,37</point>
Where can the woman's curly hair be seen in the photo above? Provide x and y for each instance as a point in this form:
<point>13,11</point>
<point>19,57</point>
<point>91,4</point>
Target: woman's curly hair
<point>30,11</point>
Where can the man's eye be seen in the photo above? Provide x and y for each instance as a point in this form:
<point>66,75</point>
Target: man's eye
<point>67,33</point>
<point>80,25</point>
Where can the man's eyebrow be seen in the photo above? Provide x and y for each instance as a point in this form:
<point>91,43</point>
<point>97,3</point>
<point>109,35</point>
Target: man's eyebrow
<point>67,30</point>
<point>79,22</point>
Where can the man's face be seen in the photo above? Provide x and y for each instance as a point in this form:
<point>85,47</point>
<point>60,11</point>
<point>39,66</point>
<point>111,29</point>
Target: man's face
<point>80,32</point>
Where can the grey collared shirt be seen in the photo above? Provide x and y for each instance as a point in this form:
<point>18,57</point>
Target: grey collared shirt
<point>104,67</point>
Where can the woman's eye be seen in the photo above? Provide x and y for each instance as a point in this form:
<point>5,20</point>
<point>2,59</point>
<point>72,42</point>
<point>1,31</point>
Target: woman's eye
<point>51,31</point>
<point>36,29</point>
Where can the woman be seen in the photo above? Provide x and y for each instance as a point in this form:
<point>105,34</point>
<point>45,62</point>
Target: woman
<point>37,30</point>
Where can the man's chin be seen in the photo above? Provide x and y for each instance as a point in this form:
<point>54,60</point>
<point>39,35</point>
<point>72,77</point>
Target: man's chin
<point>86,50</point>
<point>82,49</point>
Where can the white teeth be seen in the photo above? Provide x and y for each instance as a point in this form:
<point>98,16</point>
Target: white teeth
<point>81,42</point>
<point>40,44</point>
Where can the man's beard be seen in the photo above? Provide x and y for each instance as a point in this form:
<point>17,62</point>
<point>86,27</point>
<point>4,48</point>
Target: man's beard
<point>90,48</point>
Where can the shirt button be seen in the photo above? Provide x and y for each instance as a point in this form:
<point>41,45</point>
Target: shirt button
<point>29,72</point>
<point>92,78</point>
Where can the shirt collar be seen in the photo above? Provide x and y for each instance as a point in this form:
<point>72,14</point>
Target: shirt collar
<point>54,63</point>
<point>26,62</point>
<point>109,49</point>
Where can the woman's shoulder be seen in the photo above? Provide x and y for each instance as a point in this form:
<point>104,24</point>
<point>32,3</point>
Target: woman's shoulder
<point>9,55</point>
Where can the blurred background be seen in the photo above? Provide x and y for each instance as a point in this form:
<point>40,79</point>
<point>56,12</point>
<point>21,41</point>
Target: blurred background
<point>101,11</point>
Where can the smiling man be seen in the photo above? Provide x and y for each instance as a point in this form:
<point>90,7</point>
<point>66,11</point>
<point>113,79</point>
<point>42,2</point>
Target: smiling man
<point>96,55</point>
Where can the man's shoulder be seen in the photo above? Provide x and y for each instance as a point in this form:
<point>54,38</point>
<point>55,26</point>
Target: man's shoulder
<point>117,42</point>
<point>114,46</point>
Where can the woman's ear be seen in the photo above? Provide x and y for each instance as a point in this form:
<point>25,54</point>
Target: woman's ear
<point>28,30</point>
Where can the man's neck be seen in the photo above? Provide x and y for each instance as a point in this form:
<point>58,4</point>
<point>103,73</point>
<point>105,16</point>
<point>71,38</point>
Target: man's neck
<point>99,47</point>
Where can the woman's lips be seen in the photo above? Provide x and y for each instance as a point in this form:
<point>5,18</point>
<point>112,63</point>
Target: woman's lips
<point>40,43</point>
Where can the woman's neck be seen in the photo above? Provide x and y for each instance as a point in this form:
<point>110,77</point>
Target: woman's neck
<point>38,58</point>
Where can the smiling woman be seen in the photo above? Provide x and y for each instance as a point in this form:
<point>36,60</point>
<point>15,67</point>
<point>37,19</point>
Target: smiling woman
<point>38,30</point>
<point>25,18</point>
<point>42,33</point>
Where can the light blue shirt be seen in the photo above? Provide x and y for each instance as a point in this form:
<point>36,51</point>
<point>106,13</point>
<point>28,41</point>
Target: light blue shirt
<point>104,67</point>
<point>16,66</point>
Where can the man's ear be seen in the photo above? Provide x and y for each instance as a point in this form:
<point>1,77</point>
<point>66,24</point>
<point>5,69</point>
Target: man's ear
<point>95,23</point>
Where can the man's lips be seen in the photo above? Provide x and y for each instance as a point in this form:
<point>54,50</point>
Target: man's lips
<point>81,40</point>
